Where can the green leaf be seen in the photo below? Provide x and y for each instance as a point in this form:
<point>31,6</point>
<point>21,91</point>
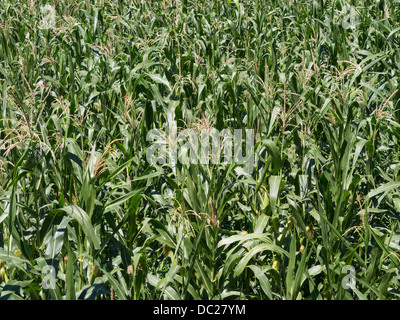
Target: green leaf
<point>274,186</point>
<point>384,188</point>
<point>83,219</point>
<point>69,274</point>
<point>273,151</point>
<point>257,249</point>
<point>260,275</point>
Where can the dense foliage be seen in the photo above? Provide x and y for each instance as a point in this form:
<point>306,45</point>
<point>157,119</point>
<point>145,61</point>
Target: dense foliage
<point>83,82</point>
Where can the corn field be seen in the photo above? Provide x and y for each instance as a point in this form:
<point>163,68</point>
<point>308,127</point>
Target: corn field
<point>85,215</point>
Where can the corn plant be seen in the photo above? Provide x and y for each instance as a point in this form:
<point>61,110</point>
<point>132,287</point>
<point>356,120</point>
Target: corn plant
<point>85,215</point>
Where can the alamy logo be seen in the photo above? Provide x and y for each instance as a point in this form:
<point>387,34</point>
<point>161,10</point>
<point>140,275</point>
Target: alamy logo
<point>206,146</point>
<point>49,19</point>
<point>49,277</point>
<point>349,21</point>
<point>349,281</point>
